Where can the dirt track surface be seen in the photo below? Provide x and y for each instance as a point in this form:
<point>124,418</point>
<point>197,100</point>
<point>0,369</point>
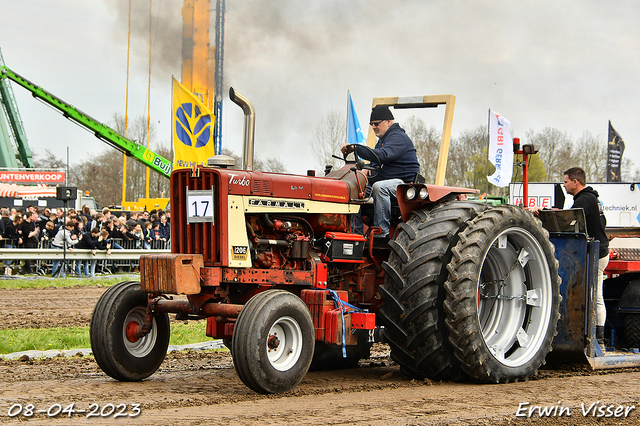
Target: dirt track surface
<point>200,388</point>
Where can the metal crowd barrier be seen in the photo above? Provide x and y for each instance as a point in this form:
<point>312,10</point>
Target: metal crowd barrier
<point>126,259</point>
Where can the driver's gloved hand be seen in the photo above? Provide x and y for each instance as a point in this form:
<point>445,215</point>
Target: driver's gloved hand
<point>347,149</point>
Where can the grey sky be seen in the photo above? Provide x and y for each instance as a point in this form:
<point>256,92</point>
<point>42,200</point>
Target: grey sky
<point>571,65</point>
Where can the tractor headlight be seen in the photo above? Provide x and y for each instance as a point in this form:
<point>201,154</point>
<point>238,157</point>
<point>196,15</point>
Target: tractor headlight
<point>411,193</point>
<point>423,194</point>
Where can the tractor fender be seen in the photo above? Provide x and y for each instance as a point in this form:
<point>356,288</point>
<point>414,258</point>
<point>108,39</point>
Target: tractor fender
<point>631,295</point>
<point>436,194</point>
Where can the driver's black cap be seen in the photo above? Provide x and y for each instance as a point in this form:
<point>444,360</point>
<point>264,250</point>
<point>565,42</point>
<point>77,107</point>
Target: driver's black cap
<point>380,112</point>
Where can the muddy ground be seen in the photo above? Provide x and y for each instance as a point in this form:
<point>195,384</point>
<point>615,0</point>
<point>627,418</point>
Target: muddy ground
<point>200,388</point>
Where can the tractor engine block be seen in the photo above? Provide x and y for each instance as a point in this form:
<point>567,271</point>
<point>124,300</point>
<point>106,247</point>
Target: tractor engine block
<point>279,242</point>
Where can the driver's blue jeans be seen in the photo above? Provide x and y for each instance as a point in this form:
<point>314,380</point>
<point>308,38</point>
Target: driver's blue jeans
<point>381,192</point>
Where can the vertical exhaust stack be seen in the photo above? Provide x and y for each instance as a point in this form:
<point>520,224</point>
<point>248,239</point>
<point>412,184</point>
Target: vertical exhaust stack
<point>249,127</point>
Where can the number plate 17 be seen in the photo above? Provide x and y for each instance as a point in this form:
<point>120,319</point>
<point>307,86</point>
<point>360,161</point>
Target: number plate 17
<point>199,206</point>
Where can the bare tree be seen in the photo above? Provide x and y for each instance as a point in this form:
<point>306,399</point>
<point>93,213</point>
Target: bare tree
<point>628,174</point>
<point>271,164</point>
<point>136,171</point>
<point>555,149</point>
<point>101,175</point>
<point>48,161</point>
<point>329,137</point>
<point>591,155</point>
<point>237,158</point>
<point>426,140</point>
<point>467,161</point>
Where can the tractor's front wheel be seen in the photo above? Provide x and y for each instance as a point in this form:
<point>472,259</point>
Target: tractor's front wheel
<point>115,320</point>
<point>503,295</point>
<point>273,341</point>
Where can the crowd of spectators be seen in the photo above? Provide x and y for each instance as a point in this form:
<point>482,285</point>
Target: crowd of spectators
<point>88,229</point>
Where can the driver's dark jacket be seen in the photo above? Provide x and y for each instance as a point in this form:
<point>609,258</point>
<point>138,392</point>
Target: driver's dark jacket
<point>396,153</point>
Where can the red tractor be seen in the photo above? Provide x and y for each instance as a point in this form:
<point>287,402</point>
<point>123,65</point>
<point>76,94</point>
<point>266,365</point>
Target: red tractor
<point>461,291</point>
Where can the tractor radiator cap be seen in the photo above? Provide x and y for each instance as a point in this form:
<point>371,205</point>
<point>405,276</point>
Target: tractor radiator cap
<point>221,161</point>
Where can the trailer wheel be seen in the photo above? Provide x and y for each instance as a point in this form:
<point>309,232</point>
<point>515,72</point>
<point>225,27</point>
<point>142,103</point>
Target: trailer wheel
<point>413,292</point>
<point>632,330</point>
<point>503,295</point>
<point>118,352</point>
<point>273,341</point>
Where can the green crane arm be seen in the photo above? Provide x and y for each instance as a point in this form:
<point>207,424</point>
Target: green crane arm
<point>101,131</point>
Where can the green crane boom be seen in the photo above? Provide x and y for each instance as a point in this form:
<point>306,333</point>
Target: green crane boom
<point>101,131</point>
<point>15,129</point>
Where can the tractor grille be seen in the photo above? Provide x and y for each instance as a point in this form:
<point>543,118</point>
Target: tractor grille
<point>261,186</point>
<point>194,238</point>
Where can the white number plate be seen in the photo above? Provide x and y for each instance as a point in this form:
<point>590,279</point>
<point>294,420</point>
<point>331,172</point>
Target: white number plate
<point>199,206</point>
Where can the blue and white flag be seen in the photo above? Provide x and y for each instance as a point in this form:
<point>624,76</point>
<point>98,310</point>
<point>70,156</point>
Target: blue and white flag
<point>500,149</point>
<point>354,132</point>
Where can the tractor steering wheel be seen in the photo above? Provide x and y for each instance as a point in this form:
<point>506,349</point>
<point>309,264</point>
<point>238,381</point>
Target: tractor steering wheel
<point>360,164</point>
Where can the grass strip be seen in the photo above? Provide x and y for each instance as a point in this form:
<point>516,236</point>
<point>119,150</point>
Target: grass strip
<point>38,282</point>
<point>64,338</point>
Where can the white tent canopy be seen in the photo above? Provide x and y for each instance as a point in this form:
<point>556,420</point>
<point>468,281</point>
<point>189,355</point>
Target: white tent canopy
<point>19,191</point>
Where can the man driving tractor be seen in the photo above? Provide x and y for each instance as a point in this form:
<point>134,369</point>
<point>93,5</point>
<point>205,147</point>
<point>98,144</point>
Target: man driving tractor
<point>398,164</point>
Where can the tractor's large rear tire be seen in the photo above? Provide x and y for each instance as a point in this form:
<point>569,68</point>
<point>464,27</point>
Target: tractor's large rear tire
<point>413,292</point>
<point>632,330</point>
<point>503,295</point>
<point>273,341</point>
<point>118,353</point>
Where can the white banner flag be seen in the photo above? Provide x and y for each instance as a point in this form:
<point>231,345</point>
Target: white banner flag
<point>500,149</point>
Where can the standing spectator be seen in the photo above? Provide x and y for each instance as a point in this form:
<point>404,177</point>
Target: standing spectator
<point>144,217</point>
<point>94,241</point>
<point>77,231</point>
<point>29,237</point>
<point>97,222</point>
<point>113,233</point>
<point>586,198</point>
<point>164,228</point>
<point>146,232</point>
<point>81,227</point>
<point>133,219</point>
<point>63,236</point>
<point>123,227</point>
<point>59,213</point>
<point>135,233</point>
<point>17,223</point>
<point>45,217</point>
<point>9,237</point>
<point>58,222</point>
<point>86,212</point>
<point>42,219</point>
<point>5,220</point>
<point>47,235</point>
<point>106,212</point>
<point>53,217</point>
<point>155,235</point>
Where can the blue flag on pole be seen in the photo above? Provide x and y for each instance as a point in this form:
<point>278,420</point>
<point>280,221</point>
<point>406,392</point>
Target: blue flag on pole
<point>354,132</point>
